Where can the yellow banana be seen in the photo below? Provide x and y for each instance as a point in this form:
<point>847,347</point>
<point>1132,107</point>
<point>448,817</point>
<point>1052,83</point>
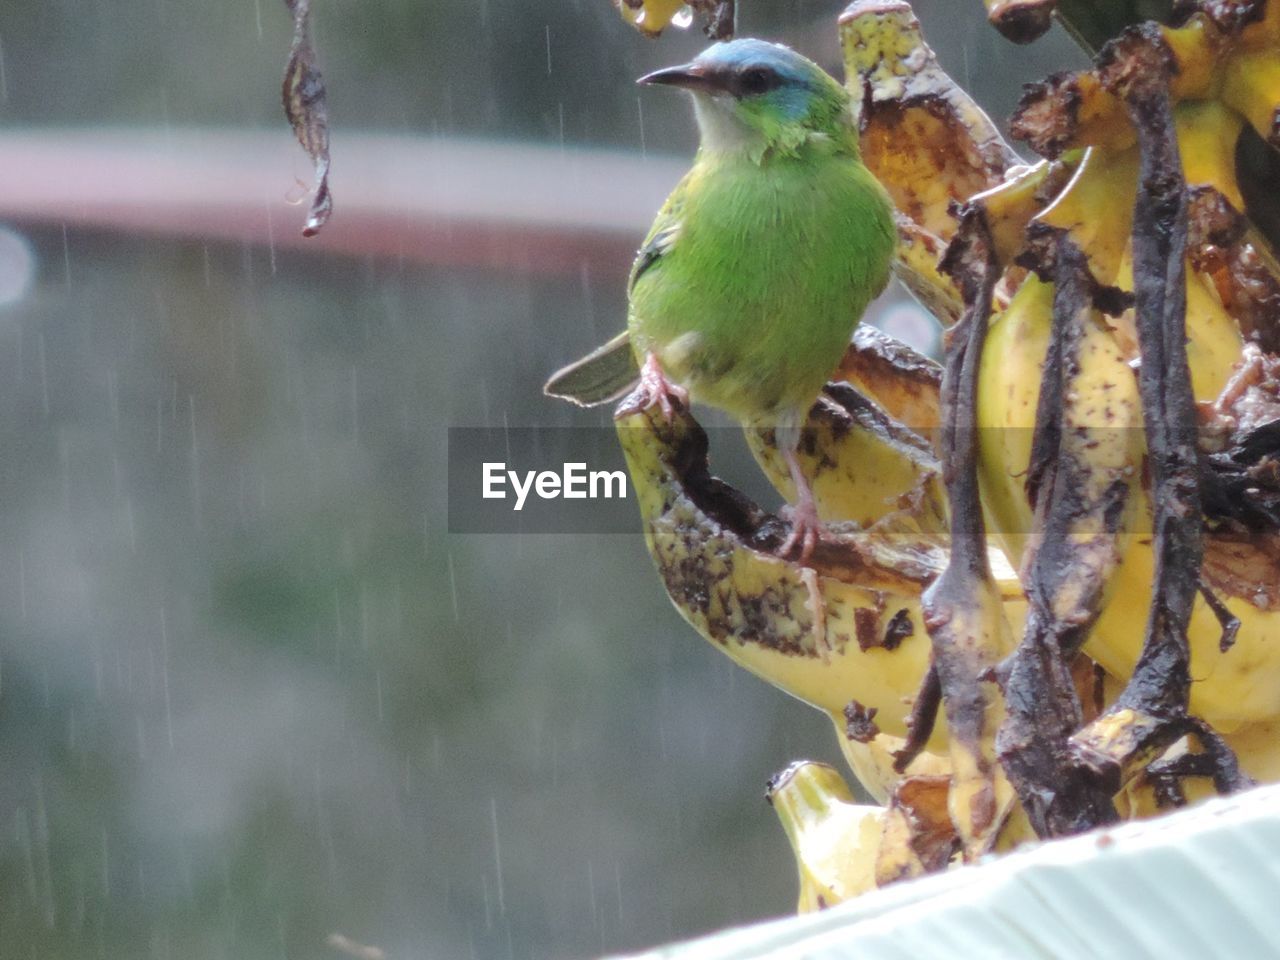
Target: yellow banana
<point>922,136</point>
<point>864,467</point>
<point>903,383</point>
<point>836,841</point>
<point>650,17</point>
<point>1234,687</point>
<point>866,644</point>
<point>873,762</point>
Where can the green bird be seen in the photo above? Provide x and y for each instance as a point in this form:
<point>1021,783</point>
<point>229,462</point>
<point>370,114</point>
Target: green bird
<point>760,264</point>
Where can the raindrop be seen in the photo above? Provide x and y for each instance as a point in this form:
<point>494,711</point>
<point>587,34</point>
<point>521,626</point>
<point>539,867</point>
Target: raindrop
<point>66,257</point>
<point>42,843</point>
<point>44,374</point>
<point>617,885</point>
<point>113,401</point>
<point>164,674</point>
<point>591,892</point>
<point>355,404</point>
<point>22,583</point>
<point>195,466</point>
<point>22,837</point>
<point>453,589</point>
<point>363,598</point>
<point>106,866</point>
<point>497,855</point>
<point>271,238</point>
<point>337,629</point>
<point>640,111</point>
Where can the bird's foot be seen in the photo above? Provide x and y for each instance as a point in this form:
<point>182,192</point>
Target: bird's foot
<point>653,390</point>
<point>806,531</point>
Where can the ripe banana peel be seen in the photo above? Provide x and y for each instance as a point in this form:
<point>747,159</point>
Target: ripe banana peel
<point>650,17</point>
<point>922,136</point>
<point>1231,56</point>
<point>864,466</point>
<point>864,642</point>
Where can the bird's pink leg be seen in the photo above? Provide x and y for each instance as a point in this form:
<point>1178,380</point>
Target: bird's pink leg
<point>806,528</point>
<point>654,390</point>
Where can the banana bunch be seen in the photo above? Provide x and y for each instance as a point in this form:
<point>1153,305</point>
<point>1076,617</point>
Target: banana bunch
<point>977,640</point>
<point>1224,76</point>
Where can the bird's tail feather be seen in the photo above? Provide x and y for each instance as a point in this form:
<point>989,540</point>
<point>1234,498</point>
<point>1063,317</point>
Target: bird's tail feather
<point>605,374</point>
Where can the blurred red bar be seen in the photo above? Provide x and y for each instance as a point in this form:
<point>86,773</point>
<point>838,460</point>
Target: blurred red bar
<point>507,206</point>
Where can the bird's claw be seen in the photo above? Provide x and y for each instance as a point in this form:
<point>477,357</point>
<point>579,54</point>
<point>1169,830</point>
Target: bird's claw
<point>654,390</point>
<point>806,531</point>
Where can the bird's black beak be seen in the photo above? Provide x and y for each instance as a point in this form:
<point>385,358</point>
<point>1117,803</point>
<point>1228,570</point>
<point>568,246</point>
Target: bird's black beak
<point>690,76</point>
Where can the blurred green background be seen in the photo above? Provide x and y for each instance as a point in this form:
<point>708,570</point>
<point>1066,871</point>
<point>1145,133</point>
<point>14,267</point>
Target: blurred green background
<point>251,692</point>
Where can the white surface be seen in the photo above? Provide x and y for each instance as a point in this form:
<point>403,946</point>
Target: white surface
<point>1200,883</point>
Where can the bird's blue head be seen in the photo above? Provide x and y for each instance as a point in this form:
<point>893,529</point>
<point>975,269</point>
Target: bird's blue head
<point>750,92</point>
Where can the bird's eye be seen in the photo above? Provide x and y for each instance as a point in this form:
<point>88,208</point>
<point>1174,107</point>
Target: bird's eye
<point>756,80</point>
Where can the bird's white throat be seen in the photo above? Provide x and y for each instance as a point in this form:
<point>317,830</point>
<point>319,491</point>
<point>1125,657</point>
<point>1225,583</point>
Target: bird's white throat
<point>721,128</point>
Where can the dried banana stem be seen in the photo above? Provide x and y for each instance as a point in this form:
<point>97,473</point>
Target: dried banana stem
<point>1151,713</point>
<point>1080,501</point>
<point>904,383</point>
<point>961,608</point>
<point>922,720</point>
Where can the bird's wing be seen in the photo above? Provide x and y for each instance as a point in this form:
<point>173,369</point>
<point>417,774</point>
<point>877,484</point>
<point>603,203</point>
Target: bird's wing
<point>609,371</point>
<point>662,237</point>
<point>604,374</point>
